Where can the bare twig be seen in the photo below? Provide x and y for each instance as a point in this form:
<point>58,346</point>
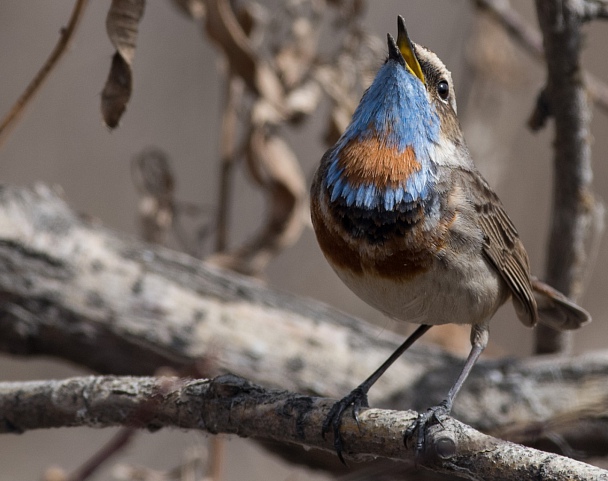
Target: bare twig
<point>118,442</point>
<point>159,212</point>
<point>216,459</point>
<point>572,197</point>
<point>277,68</point>
<point>531,40</point>
<point>233,97</point>
<point>230,404</point>
<point>514,24</point>
<point>281,179</point>
<point>275,168</point>
<point>34,86</point>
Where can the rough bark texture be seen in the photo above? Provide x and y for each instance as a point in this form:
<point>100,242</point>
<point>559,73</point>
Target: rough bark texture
<point>72,289</point>
<point>75,290</point>
<point>230,404</point>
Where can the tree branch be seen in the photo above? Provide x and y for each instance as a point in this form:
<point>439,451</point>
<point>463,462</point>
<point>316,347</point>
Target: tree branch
<point>572,197</point>
<point>531,40</point>
<point>34,86</point>
<point>71,289</point>
<point>233,405</point>
<point>592,9</point>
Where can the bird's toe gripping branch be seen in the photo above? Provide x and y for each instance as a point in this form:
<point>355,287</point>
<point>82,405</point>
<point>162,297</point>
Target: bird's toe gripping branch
<point>433,415</point>
<point>357,398</point>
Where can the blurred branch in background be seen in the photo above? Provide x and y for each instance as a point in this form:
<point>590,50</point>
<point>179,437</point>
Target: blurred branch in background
<point>160,213</point>
<point>121,440</point>
<point>194,467</point>
<point>573,201</point>
<point>155,184</point>
<point>228,152</point>
<point>576,215</point>
<point>532,42</point>
<point>275,74</point>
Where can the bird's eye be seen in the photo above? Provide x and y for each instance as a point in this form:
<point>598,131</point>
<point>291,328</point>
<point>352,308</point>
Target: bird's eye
<point>443,89</point>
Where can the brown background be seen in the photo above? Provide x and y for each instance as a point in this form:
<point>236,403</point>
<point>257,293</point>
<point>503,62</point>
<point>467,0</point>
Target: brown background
<point>176,105</point>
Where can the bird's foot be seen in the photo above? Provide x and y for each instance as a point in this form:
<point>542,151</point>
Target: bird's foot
<point>433,415</point>
<point>357,398</point>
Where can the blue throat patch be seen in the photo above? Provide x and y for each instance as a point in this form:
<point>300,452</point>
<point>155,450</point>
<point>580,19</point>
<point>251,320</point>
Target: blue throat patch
<point>396,111</point>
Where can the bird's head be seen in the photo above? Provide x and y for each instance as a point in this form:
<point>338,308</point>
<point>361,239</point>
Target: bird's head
<point>425,66</point>
<point>401,130</point>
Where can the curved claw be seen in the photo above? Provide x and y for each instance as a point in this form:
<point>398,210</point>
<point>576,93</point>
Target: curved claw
<point>432,416</point>
<point>357,398</point>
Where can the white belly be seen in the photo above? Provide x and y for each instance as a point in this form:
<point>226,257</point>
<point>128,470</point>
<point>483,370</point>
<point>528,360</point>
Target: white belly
<point>468,295</point>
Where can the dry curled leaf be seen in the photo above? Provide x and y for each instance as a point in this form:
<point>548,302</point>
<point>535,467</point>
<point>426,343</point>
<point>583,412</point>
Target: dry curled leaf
<point>121,25</point>
<point>287,74</point>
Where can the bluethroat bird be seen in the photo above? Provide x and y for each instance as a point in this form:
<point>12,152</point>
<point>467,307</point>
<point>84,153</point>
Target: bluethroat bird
<point>408,223</point>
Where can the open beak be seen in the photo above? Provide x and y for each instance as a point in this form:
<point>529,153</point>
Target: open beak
<point>403,50</point>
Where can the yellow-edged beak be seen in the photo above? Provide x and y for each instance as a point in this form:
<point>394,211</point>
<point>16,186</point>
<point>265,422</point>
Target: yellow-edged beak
<point>407,50</point>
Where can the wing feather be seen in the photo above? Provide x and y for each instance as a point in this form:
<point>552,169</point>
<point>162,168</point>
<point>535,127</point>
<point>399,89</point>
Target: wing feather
<point>502,245</point>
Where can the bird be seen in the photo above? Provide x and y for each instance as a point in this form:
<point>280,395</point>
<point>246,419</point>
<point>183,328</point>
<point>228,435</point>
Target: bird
<point>409,224</point>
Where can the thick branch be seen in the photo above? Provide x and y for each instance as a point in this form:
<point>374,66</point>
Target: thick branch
<point>74,290</point>
<point>233,405</point>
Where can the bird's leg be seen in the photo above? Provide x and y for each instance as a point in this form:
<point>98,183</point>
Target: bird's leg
<point>358,396</point>
<point>479,341</point>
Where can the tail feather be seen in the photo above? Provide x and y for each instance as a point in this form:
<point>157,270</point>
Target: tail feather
<point>556,310</point>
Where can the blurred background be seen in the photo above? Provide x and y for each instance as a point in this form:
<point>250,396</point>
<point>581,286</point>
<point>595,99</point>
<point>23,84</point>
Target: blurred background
<point>176,106</point>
